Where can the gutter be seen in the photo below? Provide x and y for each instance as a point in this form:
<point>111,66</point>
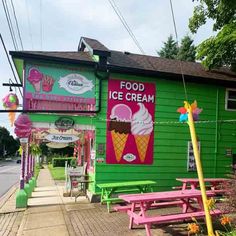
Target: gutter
<point>216,131</point>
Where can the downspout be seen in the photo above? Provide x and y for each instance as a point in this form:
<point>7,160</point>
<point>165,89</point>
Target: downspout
<point>216,131</point>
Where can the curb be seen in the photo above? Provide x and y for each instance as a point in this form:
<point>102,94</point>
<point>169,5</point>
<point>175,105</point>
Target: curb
<point>8,194</point>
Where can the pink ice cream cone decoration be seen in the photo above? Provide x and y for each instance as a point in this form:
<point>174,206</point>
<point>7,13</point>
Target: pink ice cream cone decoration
<point>23,128</point>
<point>35,77</point>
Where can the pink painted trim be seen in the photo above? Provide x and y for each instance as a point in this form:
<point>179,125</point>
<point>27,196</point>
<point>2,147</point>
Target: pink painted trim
<point>59,98</point>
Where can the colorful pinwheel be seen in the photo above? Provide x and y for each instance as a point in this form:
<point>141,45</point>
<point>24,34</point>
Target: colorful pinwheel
<point>184,111</point>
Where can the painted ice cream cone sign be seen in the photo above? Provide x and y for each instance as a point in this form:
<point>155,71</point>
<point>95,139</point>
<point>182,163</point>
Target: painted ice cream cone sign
<point>120,126</point>
<point>35,78</point>
<point>130,118</point>
<point>141,128</point>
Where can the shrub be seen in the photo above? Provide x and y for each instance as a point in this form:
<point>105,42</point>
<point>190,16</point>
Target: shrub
<point>60,161</point>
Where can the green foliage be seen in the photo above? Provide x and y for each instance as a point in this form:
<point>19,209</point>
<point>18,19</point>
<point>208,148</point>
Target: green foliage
<point>73,162</point>
<point>35,149</point>
<point>186,51</point>
<point>8,145</point>
<point>58,173</point>
<point>219,50</point>
<point>60,161</point>
<point>170,49</point>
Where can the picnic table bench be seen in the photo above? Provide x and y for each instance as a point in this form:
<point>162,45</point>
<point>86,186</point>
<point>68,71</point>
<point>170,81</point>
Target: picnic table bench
<point>109,190</point>
<point>141,203</point>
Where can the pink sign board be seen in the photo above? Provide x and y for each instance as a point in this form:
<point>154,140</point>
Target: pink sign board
<point>130,119</point>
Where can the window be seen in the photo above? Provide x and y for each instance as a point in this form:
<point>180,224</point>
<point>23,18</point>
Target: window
<point>230,99</point>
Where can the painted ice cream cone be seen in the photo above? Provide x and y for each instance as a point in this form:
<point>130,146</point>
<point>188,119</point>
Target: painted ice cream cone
<point>119,141</point>
<point>120,127</point>
<point>141,128</point>
<point>35,77</point>
<point>37,86</point>
<point>142,145</point>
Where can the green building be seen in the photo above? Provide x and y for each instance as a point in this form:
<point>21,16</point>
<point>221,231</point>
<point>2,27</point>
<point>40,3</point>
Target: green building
<point>122,110</point>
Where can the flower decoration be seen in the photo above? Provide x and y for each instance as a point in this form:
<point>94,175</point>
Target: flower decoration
<point>184,111</point>
<point>11,102</point>
<point>225,220</point>
<point>193,228</point>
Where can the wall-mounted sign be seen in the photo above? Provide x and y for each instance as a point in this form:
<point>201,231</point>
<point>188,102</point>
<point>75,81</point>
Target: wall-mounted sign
<point>191,164</point>
<point>229,152</point>
<point>101,148</point>
<point>130,122</point>
<point>51,87</point>
<point>61,138</point>
<point>64,123</point>
<point>76,84</point>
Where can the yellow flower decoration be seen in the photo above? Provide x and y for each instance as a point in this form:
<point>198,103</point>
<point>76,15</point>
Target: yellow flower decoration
<point>225,220</point>
<point>211,203</point>
<point>193,228</point>
<point>20,150</point>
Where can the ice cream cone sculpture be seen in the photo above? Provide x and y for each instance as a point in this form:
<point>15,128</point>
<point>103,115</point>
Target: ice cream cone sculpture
<point>120,127</point>
<point>141,128</point>
<point>11,102</point>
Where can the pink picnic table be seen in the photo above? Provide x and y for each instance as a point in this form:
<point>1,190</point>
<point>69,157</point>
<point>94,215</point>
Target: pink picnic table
<point>141,203</point>
<point>193,183</point>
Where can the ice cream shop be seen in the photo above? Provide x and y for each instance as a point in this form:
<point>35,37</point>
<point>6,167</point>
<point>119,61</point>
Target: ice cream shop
<point>125,113</point>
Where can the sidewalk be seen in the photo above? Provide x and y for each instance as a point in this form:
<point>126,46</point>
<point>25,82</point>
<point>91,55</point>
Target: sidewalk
<point>45,215</point>
<point>49,214</point>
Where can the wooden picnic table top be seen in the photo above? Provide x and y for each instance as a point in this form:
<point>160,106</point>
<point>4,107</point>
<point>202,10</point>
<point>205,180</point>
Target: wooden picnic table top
<point>168,195</point>
<point>196,180</point>
<point>126,183</point>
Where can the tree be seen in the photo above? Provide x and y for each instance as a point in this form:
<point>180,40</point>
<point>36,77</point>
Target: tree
<point>219,50</point>
<point>170,49</point>
<point>8,145</point>
<point>187,51</point>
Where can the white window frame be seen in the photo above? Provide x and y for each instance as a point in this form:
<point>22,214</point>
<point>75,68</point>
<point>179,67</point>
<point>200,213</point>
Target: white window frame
<point>227,99</point>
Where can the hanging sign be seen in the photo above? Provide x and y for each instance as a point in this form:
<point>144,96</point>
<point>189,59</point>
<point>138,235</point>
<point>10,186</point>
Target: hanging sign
<point>64,123</point>
<point>61,138</point>
<point>130,119</point>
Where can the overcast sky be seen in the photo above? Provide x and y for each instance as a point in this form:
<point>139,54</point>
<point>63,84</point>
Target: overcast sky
<point>57,25</point>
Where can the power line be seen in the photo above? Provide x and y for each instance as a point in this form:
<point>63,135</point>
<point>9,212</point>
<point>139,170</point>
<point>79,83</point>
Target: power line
<point>10,64</point>
<point>5,8</point>
<point>123,21</point>
<point>180,63</point>
<point>17,26</point>
<point>29,25</point>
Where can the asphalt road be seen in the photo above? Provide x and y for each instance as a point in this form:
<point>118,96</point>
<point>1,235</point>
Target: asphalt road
<point>9,175</point>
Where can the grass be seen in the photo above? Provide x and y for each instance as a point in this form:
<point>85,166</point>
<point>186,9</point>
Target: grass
<point>36,170</point>
<point>58,173</point>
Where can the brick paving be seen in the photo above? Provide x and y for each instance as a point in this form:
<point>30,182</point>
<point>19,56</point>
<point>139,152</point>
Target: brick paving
<point>10,223</point>
<point>94,220</point>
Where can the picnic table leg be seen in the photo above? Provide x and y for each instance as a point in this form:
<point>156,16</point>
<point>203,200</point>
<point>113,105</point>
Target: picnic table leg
<point>148,229</point>
<point>142,213</point>
<point>184,186</point>
<point>131,219</point>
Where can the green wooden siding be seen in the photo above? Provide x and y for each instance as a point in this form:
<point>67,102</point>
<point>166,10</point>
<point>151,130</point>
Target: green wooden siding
<point>171,136</point>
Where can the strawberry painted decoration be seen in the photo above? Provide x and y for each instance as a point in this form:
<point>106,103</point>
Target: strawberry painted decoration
<point>11,102</point>
<point>184,111</point>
